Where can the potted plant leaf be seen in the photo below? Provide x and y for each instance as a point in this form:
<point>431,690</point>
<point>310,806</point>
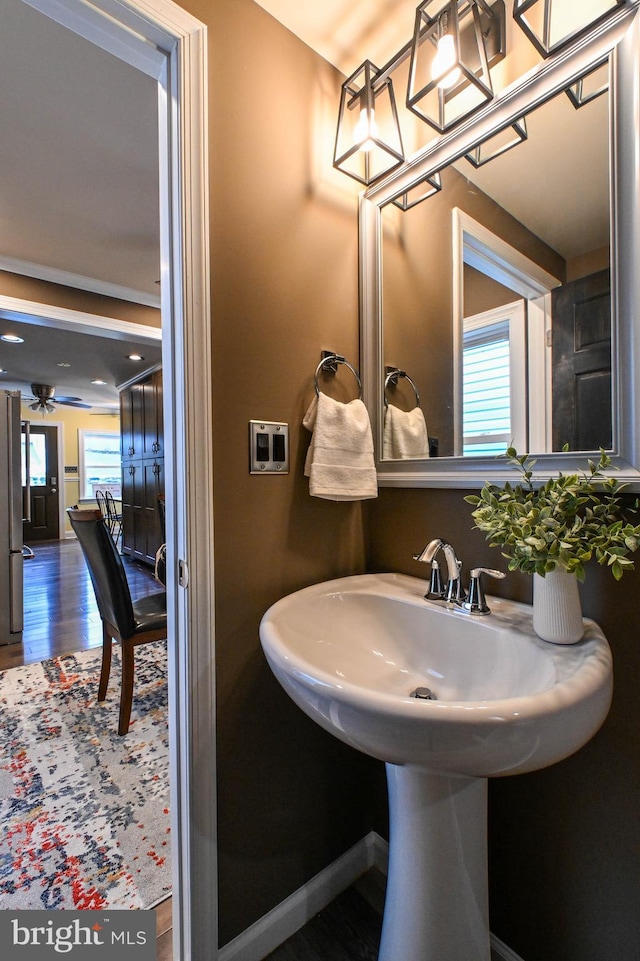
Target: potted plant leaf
<point>553,530</point>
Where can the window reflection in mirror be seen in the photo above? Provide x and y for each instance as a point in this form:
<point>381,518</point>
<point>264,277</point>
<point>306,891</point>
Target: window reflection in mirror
<point>493,379</point>
<point>546,200</point>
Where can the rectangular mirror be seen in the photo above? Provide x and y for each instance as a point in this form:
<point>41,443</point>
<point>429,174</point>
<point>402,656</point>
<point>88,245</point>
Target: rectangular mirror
<point>498,300</point>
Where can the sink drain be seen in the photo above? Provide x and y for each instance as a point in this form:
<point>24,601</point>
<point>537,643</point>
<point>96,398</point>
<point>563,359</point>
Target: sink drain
<point>424,694</point>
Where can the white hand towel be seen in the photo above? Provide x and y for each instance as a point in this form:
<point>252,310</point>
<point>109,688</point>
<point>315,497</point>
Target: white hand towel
<point>340,464</point>
<point>405,434</point>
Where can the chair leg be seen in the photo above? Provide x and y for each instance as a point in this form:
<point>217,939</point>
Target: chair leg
<point>126,693</point>
<point>107,644</point>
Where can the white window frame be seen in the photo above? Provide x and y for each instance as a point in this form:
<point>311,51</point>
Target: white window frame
<point>83,432</point>
<point>514,315</point>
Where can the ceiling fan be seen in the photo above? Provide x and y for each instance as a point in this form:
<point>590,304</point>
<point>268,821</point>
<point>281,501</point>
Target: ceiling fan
<point>44,399</point>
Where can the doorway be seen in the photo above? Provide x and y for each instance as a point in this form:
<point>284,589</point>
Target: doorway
<point>167,43</point>
<point>43,516</point>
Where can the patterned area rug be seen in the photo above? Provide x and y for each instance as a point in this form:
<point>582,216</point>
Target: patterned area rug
<point>84,814</point>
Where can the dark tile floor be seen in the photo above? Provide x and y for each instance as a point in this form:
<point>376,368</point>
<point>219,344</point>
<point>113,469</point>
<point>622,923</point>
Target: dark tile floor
<point>348,929</point>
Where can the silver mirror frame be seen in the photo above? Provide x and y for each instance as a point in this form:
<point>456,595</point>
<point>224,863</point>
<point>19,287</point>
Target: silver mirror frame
<point>618,37</point>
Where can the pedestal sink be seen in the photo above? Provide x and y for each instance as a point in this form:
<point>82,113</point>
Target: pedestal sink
<point>352,653</point>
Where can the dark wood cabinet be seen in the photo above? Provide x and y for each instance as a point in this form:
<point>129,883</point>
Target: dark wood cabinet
<point>142,467</point>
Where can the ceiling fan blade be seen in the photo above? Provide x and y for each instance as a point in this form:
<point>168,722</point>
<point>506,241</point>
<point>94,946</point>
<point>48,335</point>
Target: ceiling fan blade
<point>71,403</point>
<point>64,399</point>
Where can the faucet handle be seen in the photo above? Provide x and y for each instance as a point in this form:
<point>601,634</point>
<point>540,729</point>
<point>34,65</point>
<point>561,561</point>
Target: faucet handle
<point>476,602</point>
<point>436,590</point>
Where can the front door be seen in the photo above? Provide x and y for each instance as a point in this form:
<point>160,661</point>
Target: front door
<point>43,470</point>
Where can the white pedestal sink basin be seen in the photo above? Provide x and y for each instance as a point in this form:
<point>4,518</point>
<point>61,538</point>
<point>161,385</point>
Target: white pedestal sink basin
<point>352,651</point>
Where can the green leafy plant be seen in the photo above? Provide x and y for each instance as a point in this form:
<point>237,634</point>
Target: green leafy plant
<point>563,523</point>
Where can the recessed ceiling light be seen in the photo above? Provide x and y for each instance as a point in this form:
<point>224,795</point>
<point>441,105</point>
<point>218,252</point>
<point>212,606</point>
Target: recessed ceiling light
<point>99,383</point>
<point>62,363</point>
<point>136,357</point>
<point>12,339</point>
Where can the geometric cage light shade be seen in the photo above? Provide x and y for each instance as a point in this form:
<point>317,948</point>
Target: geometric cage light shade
<point>449,74</point>
<point>589,86</point>
<point>552,24</point>
<point>499,143</point>
<point>368,138</point>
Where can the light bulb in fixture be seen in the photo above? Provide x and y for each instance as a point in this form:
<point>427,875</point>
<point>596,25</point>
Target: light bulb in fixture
<point>366,129</point>
<point>445,62</point>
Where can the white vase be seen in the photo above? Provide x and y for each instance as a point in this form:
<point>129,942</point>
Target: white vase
<point>557,612</point>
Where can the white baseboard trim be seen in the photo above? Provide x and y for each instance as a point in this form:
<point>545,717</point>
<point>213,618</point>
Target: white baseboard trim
<point>290,915</point>
<point>503,952</point>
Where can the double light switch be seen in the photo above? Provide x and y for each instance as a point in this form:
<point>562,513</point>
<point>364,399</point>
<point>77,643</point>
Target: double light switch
<point>268,447</point>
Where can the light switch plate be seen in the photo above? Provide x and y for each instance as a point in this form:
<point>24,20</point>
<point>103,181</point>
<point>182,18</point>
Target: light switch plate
<point>268,447</point>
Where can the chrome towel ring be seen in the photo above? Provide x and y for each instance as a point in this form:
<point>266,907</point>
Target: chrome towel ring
<point>329,364</point>
<point>393,375</point>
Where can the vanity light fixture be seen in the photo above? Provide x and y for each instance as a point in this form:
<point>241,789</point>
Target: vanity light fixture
<point>368,139</point>
<point>552,24</point>
<point>590,86</point>
<point>451,50</point>
<point>427,187</point>
<point>498,144</point>
<point>454,42</point>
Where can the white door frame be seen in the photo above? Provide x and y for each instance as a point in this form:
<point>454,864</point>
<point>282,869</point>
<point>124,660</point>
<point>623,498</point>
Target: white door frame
<point>168,44</point>
<point>475,244</point>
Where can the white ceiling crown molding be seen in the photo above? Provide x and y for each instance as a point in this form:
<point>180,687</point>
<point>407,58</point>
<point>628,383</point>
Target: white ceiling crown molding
<point>76,321</point>
<point>66,279</point>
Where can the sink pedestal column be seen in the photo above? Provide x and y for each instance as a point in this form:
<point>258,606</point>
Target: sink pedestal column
<point>437,905</point>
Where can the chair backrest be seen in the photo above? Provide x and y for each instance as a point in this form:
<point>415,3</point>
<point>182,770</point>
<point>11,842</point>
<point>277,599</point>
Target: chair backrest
<point>106,569</point>
<point>102,503</point>
<point>112,513</point>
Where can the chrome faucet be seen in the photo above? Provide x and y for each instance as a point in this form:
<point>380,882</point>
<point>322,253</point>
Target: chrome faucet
<point>454,590</point>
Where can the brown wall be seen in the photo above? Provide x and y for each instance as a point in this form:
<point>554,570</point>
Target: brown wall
<point>482,293</point>
<point>564,842</point>
<point>284,287</point>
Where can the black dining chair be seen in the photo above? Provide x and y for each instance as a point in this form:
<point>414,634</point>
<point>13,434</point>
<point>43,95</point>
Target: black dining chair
<point>129,622</point>
<point>114,517</point>
<point>102,504</point>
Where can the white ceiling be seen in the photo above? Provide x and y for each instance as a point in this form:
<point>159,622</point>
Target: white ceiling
<point>79,148</point>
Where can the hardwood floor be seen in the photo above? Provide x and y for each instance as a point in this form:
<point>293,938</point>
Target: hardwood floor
<point>60,612</point>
